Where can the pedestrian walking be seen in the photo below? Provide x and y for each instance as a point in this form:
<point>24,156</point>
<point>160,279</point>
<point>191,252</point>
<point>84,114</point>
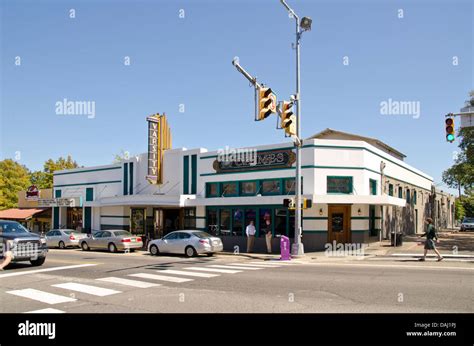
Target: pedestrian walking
<point>250,231</point>
<point>431,236</point>
<point>268,236</point>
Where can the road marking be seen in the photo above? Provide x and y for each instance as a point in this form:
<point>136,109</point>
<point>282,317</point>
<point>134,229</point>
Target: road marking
<point>160,277</point>
<point>26,272</point>
<point>260,266</point>
<point>275,265</point>
<point>46,311</point>
<point>234,267</point>
<point>180,272</point>
<point>88,289</point>
<point>44,297</point>
<point>205,269</point>
<point>127,282</point>
<point>429,256</point>
<point>421,266</point>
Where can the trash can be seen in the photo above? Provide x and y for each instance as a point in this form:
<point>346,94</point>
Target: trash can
<point>399,239</point>
<point>285,248</point>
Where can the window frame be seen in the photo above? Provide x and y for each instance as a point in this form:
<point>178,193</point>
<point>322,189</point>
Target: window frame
<point>351,184</point>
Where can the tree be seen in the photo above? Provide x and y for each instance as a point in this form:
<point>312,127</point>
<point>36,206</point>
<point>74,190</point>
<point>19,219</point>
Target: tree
<point>44,179</point>
<point>459,211</point>
<point>13,179</point>
<point>454,177</point>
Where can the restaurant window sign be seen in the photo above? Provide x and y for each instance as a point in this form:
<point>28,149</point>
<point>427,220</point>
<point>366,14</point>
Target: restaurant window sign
<point>159,140</point>
<point>268,159</point>
<point>339,185</point>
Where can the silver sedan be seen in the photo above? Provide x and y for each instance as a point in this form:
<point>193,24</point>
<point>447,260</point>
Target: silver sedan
<point>189,243</point>
<point>112,240</point>
<point>64,238</point>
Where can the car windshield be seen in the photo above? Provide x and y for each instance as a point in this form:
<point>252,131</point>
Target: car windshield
<point>202,234</point>
<point>12,228</point>
<point>120,233</point>
<point>469,219</point>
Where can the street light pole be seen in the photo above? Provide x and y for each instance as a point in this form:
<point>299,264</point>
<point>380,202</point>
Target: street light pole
<point>297,248</point>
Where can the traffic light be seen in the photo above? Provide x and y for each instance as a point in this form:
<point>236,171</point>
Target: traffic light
<point>307,203</point>
<point>450,128</point>
<point>288,119</point>
<point>266,103</point>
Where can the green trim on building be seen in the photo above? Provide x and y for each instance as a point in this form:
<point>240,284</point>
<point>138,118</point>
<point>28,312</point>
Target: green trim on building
<point>117,216</point>
<point>359,230</point>
<point>315,217</point>
<point>125,179</point>
<point>350,187</point>
<point>185,175</point>
<point>130,188</point>
<point>89,170</point>
<point>94,183</point>
<point>258,151</point>
<point>193,174</point>
<point>89,194</point>
<point>248,172</point>
<point>87,218</point>
<point>55,217</point>
<point>57,193</point>
<point>364,218</point>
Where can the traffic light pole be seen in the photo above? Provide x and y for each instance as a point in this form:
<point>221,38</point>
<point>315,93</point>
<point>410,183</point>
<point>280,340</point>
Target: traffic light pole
<point>297,248</point>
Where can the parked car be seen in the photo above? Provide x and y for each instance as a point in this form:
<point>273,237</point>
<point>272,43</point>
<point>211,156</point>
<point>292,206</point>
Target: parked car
<point>25,245</point>
<point>112,240</point>
<point>467,224</point>
<point>189,243</point>
<point>64,238</point>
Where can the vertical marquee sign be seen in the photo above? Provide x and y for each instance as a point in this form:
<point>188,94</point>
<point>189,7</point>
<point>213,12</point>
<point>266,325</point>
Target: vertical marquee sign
<point>159,140</point>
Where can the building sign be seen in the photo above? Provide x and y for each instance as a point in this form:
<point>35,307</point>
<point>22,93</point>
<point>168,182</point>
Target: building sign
<point>32,193</point>
<point>339,185</point>
<point>271,159</point>
<point>159,140</point>
<point>60,202</point>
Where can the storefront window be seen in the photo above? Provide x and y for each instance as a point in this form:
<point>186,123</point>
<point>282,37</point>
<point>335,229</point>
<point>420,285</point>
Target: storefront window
<point>290,186</point>
<point>74,219</point>
<point>237,222</point>
<point>189,218</point>
<point>224,222</point>
<point>271,187</point>
<point>390,189</point>
<point>265,221</point>
<point>212,225</point>
<point>280,221</point>
<point>248,188</point>
<point>291,229</point>
<point>138,221</point>
<point>229,189</point>
<point>339,185</point>
<point>212,190</point>
<point>250,215</point>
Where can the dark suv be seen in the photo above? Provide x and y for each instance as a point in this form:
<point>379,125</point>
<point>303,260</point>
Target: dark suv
<point>24,245</point>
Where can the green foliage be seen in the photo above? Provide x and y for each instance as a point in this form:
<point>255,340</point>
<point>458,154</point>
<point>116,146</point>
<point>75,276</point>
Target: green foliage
<point>44,179</point>
<point>13,178</point>
<point>468,205</point>
<point>460,212</point>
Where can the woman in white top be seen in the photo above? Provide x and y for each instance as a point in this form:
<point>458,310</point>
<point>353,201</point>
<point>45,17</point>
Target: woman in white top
<point>250,231</point>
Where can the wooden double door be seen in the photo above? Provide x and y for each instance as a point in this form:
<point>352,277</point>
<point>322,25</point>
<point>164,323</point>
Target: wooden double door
<point>339,223</point>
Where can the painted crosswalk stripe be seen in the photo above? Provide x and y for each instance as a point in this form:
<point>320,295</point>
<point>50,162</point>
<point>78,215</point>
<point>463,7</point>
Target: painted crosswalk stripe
<point>46,311</point>
<point>261,265</point>
<point>214,270</point>
<point>88,289</point>
<point>44,297</point>
<point>127,282</point>
<point>267,264</point>
<point>160,277</point>
<point>234,267</point>
<point>181,272</point>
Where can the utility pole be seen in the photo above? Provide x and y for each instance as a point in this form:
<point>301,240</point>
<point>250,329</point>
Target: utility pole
<point>297,248</point>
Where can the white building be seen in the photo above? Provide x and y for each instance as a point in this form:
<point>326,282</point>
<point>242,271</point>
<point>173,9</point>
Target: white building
<point>352,199</point>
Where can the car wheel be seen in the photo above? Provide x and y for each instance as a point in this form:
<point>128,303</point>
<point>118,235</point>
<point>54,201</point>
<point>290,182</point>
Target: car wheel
<point>62,245</point>
<point>38,262</point>
<point>154,250</point>
<point>210,254</point>
<point>112,248</point>
<point>84,246</point>
<point>190,251</point>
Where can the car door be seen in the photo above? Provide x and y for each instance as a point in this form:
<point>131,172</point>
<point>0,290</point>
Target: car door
<point>168,243</point>
<point>94,239</point>
<point>105,239</point>
<point>184,241</point>
<point>50,238</point>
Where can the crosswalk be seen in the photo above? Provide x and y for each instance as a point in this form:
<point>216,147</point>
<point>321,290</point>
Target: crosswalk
<point>153,279</point>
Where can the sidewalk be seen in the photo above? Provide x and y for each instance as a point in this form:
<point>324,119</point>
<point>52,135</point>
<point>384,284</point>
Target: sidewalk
<point>453,245</point>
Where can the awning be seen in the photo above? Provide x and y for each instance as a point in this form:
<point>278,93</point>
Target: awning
<point>20,214</point>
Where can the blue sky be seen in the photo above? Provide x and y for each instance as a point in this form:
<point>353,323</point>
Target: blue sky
<point>188,61</point>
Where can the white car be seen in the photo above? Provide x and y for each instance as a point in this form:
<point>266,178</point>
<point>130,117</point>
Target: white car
<point>189,243</point>
<point>63,238</point>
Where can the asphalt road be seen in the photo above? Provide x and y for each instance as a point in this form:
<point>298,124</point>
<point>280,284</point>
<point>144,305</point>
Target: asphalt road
<point>69,282</point>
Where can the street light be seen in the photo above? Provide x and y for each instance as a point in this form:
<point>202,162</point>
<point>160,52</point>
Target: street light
<point>297,248</point>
